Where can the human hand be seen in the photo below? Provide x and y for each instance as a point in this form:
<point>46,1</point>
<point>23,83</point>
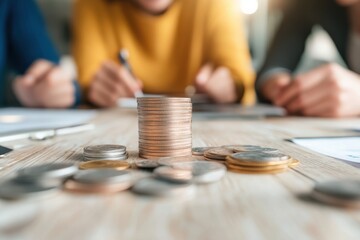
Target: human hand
<point>274,85</point>
<point>217,84</point>
<point>110,83</point>
<point>327,91</point>
<point>45,85</point>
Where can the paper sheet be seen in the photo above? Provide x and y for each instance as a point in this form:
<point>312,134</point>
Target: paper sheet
<point>344,148</point>
<point>22,119</point>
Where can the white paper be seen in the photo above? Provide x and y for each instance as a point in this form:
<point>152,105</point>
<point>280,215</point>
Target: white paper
<point>344,148</point>
<point>22,119</point>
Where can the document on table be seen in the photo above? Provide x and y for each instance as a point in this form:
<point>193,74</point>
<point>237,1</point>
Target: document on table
<point>344,148</point>
<point>17,120</point>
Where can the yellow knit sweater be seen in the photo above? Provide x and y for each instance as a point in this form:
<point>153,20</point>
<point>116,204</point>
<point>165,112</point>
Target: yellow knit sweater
<point>166,51</point>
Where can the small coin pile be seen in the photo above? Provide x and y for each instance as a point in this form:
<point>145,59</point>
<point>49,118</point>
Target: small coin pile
<point>164,127</point>
<point>247,158</point>
<point>105,152</point>
<point>258,162</point>
<point>344,193</point>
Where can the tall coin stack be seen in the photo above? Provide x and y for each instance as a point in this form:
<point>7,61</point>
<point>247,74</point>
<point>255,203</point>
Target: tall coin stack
<point>164,127</point>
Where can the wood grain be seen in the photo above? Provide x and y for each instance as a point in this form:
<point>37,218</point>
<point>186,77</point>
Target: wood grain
<point>239,207</point>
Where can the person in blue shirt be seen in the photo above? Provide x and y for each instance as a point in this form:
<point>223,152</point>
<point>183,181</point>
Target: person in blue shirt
<point>26,49</point>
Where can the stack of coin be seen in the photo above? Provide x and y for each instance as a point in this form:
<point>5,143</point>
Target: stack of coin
<point>344,193</point>
<point>99,181</point>
<point>105,152</point>
<point>164,127</point>
<point>259,162</point>
<point>218,154</point>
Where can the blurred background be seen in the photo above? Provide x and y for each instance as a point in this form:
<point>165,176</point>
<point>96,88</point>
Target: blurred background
<point>261,18</point>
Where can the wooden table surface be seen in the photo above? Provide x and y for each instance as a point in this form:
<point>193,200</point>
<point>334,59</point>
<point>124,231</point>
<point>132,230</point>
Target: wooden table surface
<point>238,207</point>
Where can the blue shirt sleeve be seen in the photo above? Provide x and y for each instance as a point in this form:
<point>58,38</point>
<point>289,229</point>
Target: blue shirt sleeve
<point>28,39</point>
<point>27,36</point>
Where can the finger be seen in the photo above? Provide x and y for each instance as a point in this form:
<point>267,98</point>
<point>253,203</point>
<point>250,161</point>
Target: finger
<point>301,83</point>
<point>321,109</point>
<point>203,76</point>
<point>274,86</point>
<point>124,77</point>
<point>221,86</point>
<point>100,96</point>
<point>37,71</point>
<point>59,96</point>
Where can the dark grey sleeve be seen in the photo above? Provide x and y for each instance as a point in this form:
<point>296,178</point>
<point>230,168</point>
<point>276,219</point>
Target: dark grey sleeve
<point>288,44</point>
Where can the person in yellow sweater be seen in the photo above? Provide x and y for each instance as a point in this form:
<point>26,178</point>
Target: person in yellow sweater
<point>172,44</point>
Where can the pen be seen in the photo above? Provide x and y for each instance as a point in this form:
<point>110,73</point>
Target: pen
<point>123,57</point>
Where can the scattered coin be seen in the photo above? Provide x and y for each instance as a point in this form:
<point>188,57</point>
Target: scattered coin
<point>11,189</point>
<point>146,163</point>
<point>53,171</point>
<point>203,171</point>
<point>99,176</point>
<point>199,151</point>
<point>169,161</point>
<point>217,154</point>
<point>250,148</point>
<point>173,175</point>
<point>156,187</point>
<point>105,152</point>
<point>107,188</point>
<point>118,165</point>
<point>10,219</point>
<point>99,181</point>
<point>345,193</point>
<point>164,127</point>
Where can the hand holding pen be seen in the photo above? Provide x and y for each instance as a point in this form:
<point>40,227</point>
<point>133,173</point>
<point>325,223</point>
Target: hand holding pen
<point>112,82</point>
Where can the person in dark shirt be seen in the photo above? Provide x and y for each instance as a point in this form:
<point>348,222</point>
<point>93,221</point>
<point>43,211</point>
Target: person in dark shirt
<point>329,90</point>
<point>25,48</point>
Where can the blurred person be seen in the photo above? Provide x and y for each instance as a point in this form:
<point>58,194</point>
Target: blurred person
<point>172,44</point>
<point>25,48</point>
<point>329,90</point>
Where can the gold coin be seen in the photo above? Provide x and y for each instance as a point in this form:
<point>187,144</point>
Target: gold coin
<point>294,163</point>
<point>256,169</point>
<point>217,153</point>
<point>118,165</point>
<point>252,163</point>
<point>247,163</point>
<point>253,172</point>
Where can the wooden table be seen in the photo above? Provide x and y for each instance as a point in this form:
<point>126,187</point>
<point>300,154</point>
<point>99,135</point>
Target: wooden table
<point>239,207</point>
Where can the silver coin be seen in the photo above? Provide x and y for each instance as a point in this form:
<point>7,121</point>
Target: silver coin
<point>120,158</point>
<point>100,155</point>
<point>250,148</point>
<point>343,189</point>
<point>173,175</point>
<point>105,148</point>
<point>203,171</point>
<point>199,151</point>
<point>47,171</point>
<point>10,218</point>
<point>101,176</point>
<point>146,163</point>
<point>260,156</point>
<point>11,189</point>
<point>156,187</point>
<point>169,161</point>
